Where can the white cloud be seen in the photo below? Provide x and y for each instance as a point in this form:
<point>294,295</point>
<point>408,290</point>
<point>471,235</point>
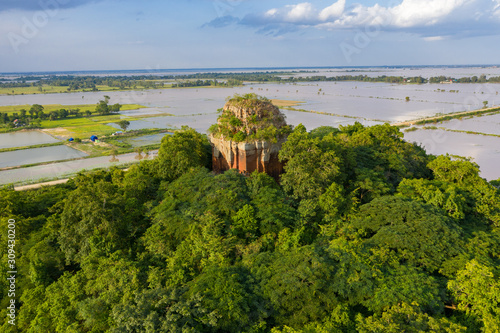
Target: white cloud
<point>272,12</point>
<point>305,13</point>
<point>427,18</point>
<point>333,11</point>
<point>496,9</point>
<point>434,38</point>
<point>300,12</point>
<point>412,13</point>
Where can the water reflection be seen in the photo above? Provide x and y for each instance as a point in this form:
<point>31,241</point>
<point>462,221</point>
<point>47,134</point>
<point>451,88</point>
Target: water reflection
<point>479,124</point>
<point>63,169</point>
<point>24,138</point>
<point>38,155</point>
<point>145,140</point>
<point>484,150</point>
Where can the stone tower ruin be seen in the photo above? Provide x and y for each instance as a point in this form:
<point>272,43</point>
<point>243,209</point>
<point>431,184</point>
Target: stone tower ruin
<point>248,136</point>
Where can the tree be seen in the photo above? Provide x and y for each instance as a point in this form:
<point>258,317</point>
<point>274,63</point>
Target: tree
<point>226,294</point>
<point>311,166</point>
<point>96,216</point>
<point>124,124</point>
<point>484,198</point>
<point>36,108</point>
<point>179,152</point>
<point>62,113</point>
<point>298,284</point>
<point>406,317</point>
<point>138,150</point>
<point>102,107</point>
<point>113,154</point>
<point>418,233</point>
<point>477,291</point>
<point>115,107</point>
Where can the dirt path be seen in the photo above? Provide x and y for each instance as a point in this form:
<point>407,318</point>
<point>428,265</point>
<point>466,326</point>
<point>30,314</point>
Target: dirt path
<point>412,122</point>
<point>36,186</point>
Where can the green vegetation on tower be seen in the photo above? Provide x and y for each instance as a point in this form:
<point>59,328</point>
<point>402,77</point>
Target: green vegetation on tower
<point>247,118</point>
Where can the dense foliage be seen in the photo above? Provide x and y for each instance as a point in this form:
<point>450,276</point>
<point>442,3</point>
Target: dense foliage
<point>364,233</point>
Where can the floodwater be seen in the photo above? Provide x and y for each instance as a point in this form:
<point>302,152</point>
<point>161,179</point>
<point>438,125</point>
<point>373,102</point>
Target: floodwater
<point>425,72</point>
<point>375,101</point>
<point>63,169</point>
<point>312,120</point>
<point>145,140</point>
<point>484,150</point>
<point>479,124</point>
<point>38,155</point>
<point>344,103</point>
<point>25,138</point>
<point>201,122</point>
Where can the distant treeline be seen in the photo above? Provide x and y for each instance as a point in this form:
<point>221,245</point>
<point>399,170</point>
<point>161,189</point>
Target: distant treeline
<point>207,83</point>
<point>474,79</point>
<point>211,79</point>
<point>82,82</point>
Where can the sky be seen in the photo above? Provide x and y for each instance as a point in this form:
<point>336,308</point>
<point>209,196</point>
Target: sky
<point>69,35</point>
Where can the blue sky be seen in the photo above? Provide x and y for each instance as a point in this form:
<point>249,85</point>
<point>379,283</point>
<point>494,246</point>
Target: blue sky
<point>51,35</point>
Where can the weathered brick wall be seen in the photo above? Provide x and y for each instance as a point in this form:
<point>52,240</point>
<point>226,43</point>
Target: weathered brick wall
<point>247,157</point>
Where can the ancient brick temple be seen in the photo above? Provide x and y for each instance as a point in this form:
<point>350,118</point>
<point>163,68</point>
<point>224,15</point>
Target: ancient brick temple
<point>252,153</point>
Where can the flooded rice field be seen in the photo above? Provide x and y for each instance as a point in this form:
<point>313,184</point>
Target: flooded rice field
<point>38,155</point>
<point>25,138</point>
<point>426,72</point>
<point>375,101</point>
<point>63,169</point>
<point>478,124</point>
<point>144,140</point>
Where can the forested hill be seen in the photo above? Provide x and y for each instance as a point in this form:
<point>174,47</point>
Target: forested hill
<point>364,233</point>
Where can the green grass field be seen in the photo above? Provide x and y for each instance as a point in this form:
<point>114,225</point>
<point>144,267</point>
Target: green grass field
<point>46,89</point>
<point>83,127</point>
<point>10,109</point>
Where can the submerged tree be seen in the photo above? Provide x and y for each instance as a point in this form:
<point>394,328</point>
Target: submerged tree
<point>124,124</point>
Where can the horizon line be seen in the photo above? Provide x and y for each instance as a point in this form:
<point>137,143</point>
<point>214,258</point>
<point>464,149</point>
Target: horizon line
<point>241,68</point>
